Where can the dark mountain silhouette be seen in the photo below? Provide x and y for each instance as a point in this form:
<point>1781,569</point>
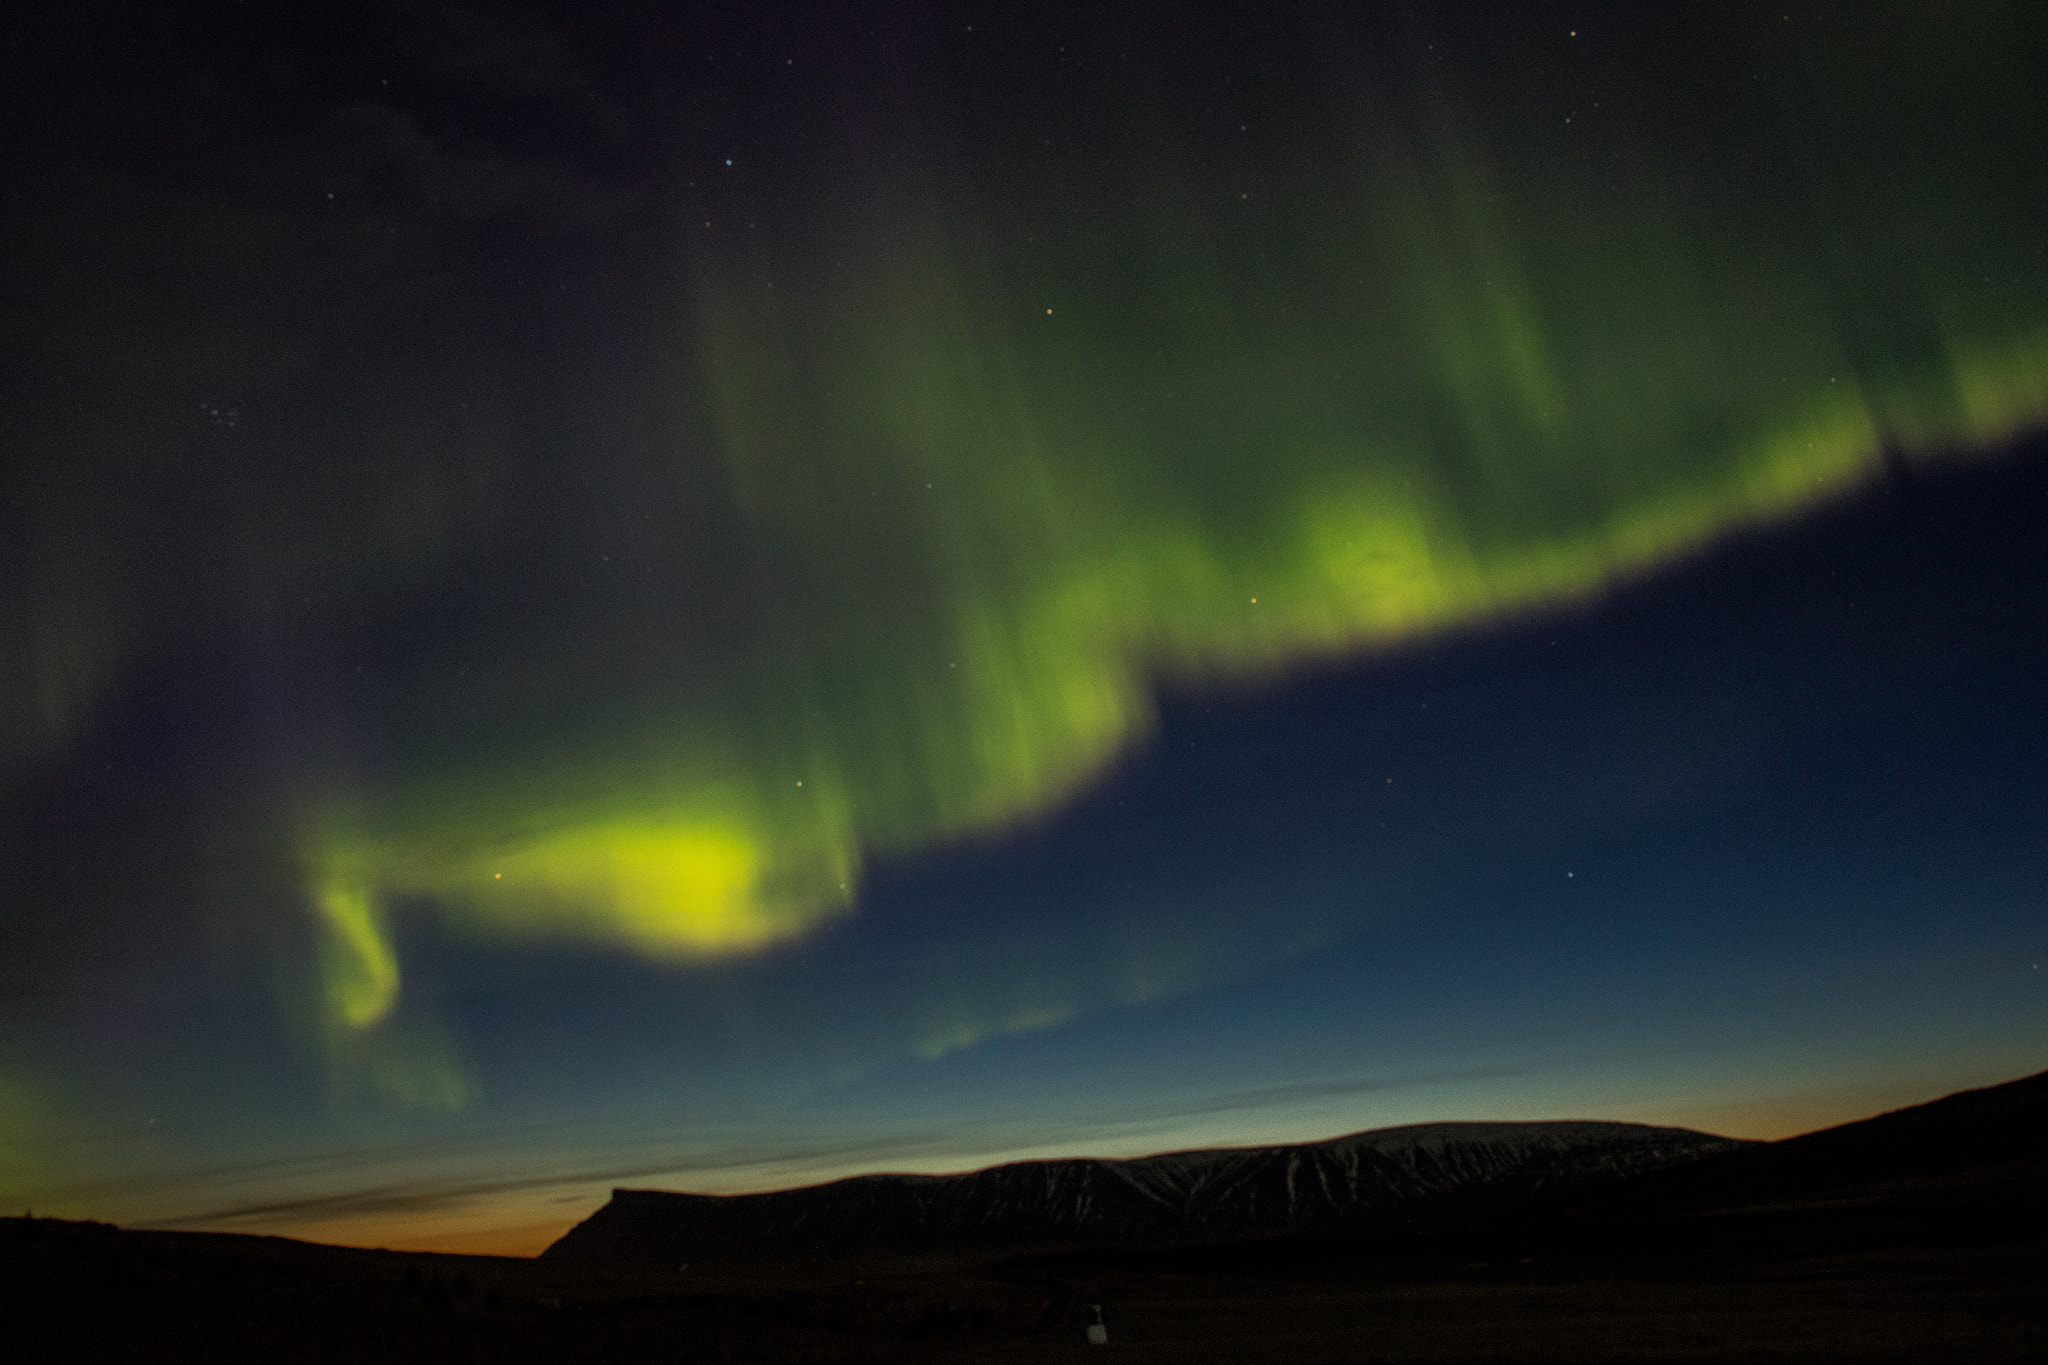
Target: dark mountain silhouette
<point>1346,1182</point>
<point>1968,1172</point>
<point>1917,1235</point>
<point>1969,1134</point>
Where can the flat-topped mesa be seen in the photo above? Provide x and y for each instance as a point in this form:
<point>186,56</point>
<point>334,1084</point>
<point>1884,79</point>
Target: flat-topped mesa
<point>1356,1180</point>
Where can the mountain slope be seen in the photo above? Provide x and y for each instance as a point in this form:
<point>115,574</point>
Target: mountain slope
<point>1974,1140</point>
<point>1176,1197</point>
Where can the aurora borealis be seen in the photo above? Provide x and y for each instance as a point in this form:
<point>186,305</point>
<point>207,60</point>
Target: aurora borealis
<point>587,588</point>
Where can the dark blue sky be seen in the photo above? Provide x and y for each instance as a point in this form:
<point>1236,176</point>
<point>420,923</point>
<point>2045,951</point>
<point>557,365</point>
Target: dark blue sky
<point>1752,845</point>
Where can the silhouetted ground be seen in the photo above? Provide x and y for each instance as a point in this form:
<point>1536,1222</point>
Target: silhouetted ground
<point>1847,1281</point>
<point>1916,1236</point>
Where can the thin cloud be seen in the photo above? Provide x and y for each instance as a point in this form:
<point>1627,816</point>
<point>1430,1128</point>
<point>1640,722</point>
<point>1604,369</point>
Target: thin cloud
<point>421,1195</point>
<point>1271,1095</point>
<point>802,1163</point>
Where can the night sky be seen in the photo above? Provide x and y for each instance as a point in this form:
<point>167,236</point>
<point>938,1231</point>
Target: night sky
<point>715,597</point>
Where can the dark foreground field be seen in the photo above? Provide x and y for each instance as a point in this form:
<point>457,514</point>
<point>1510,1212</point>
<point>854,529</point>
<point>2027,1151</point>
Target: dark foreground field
<point>1915,1236</point>
<point>1945,1270</point>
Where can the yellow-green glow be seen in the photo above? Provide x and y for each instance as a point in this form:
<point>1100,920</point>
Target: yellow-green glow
<point>370,1046</point>
<point>1037,692</point>
<point>357,958</point>
<point>676,891</point>
<point>1048,583</point>
<point>936,472</point>
<point>2002,391</point>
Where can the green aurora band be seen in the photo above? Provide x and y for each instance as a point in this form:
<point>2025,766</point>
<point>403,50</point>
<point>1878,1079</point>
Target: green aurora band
<point>966,461</point>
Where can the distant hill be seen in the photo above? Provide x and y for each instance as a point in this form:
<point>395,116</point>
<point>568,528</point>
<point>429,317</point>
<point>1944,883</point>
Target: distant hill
<point>1355,1181</point>
<point>1974,1140</point>
<point>1917,1235</point>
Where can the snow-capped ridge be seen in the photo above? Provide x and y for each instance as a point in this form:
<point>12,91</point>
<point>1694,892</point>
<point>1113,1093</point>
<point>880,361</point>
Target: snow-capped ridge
<point>1351,1181</point>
